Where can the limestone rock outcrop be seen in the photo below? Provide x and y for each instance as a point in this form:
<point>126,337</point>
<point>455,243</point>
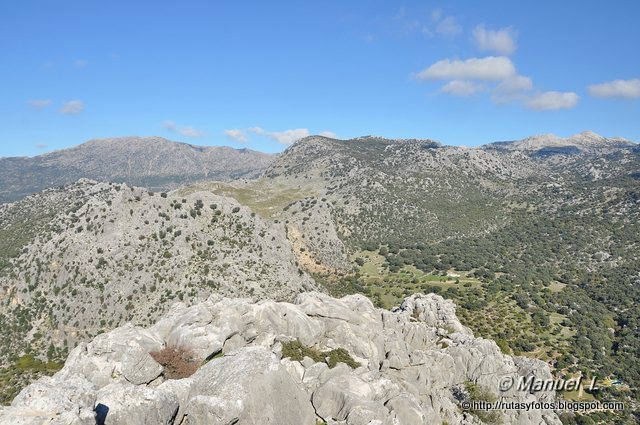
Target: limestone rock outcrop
<point>413,362</point>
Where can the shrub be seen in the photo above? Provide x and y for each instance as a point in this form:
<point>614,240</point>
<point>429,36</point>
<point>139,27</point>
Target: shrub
<point>296,351</point>
<point>477,392</point>
<point>178,362</point>
<point>340,355</point>
<point>504,345</point>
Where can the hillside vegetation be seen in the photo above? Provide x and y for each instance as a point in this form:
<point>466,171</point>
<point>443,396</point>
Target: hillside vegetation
<point>92,256</point>
<point>537,242</point>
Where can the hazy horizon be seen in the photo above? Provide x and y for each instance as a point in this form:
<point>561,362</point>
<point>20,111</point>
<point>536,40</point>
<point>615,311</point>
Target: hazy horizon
<point>230,145</point>
<point>263,75</point>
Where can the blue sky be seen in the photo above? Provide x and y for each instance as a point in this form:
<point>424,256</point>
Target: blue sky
<point>261,74</point>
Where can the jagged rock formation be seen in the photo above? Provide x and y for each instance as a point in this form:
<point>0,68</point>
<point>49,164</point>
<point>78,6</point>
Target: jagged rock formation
<point>92,256</point>
<point>413,362</point>
<point>152,162</point>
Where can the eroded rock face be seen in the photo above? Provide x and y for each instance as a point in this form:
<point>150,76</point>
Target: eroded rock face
<point>412,361</point>
<point>247,386</point>
<point>127,404</point>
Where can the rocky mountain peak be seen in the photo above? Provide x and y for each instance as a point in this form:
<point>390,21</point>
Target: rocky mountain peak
<point>589,134</point>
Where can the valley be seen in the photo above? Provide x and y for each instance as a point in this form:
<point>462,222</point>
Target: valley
<point>536,241</point>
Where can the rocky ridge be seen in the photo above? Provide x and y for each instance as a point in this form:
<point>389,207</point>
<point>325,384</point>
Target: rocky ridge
<point>152,162</point>
<point>411,191</point>
<point>414,363</point>
<point>587,141</point>
<point>383,190</point>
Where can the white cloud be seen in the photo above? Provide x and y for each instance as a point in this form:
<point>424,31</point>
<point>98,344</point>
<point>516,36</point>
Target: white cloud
<point>552,100</point>
<point>236,135</point>
<point>448,26</point>
<point>490,68</point>
<point>500,41</point>
<point>187,131</point>
<point>80,63</point>
<point>41,145</point>
<point>620,89</point>
<point>512,89</point>
<point>514,84</point>
<point>461,88</point>
<point>39,103</point>
<point>191,132</point>
<point>257,130</point>
<point>329,134</point>
<point>72,107</point>
<point>288,136</point>
<point>409,23</point>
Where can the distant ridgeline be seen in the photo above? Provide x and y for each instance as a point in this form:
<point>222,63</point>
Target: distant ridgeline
<point>151,162</point>
<point>535,240</point>
<point>543,231</point>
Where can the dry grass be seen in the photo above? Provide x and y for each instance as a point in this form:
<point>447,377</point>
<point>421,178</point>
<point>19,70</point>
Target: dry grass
<point>178,362</point>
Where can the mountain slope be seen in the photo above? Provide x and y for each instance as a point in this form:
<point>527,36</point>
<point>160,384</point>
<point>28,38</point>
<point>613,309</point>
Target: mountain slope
<point>409,191</point>
<point>389,190</point>
<point>102,254</point>
<point>540,250</point>
<point>152,162</point>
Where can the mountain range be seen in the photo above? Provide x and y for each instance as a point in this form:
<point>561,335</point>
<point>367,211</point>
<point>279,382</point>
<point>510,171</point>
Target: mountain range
<point>152,162</point>
<point>535,240</point>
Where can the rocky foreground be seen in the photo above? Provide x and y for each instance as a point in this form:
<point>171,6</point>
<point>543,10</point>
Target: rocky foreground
<point>414,365</point>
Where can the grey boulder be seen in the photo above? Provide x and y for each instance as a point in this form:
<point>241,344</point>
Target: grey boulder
<point>249,386</point>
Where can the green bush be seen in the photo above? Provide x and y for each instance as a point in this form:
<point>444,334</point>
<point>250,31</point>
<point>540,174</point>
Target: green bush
<point>479,393</point>
<point>340,355</point>
<point>296,351</point>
